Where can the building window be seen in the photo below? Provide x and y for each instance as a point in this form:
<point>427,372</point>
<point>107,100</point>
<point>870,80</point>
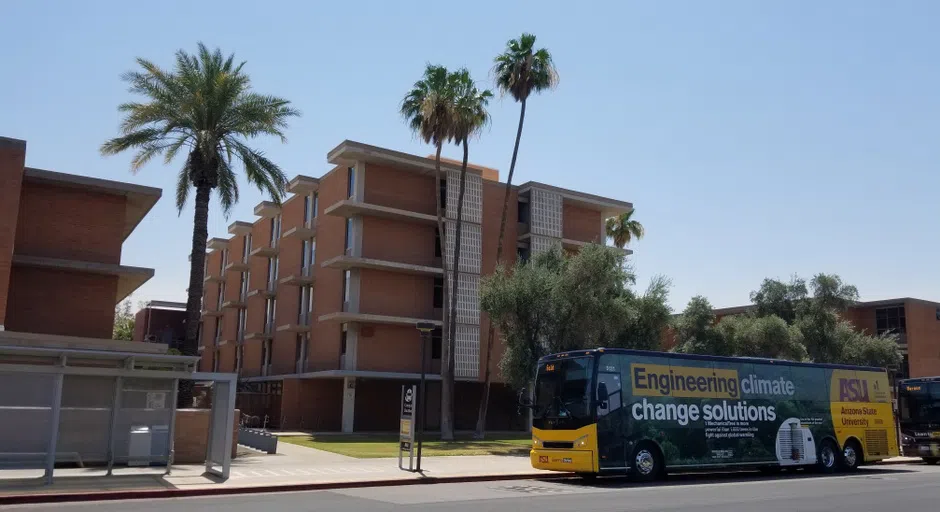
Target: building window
<point>272,271</point>
<point>347,277</point>
<point>243,286</point>
<point>342,340</point>
<point>241,324</point>
<point>247,250</point>
<point>436,338</point>
<point>522,254</point>
<point>270,306</point>
<point>300,352</point>
<point>265,357</point>
<point>221,295</point>
<point>316,204</point>
<point>890,320</point>
<point>523,212</point>
<point>275,230</point>
<point>438,292</point>
<point>437,244</point>
<point>351,182</point>
<point>239,353</point>
<point>305,305</point>
<point>443,194</point>
<point>218,331</point>
<point>224,261</point>
<point>349,227</point>
<point>215,361</point>
<point>307,204</point>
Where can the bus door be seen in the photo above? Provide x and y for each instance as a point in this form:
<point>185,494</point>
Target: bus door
<point>610,410</point>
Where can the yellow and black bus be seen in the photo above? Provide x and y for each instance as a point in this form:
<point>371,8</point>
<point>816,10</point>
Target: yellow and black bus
<point>610,411</point>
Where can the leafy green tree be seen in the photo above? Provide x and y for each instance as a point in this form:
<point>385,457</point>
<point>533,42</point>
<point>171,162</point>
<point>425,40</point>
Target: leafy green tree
<point>781,299</point>
<point>766,336</point>
<point>829,292</point>
<point>622,229</point>
<point>556,302</point>
<point>519,71</point>
<point>696,333</point>
<point>123,322</point>
<point>649,315</point>
<point>205,108</point>
<point>430,109</point>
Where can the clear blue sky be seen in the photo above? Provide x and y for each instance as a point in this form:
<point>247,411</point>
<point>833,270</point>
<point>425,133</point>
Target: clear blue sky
<point>753,139</point>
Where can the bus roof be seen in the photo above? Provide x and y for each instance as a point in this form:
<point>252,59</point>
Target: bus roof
<point>919,379</point>
<point>700,357</point>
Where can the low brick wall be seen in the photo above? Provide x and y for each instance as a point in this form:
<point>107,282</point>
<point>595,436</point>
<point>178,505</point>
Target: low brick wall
<point>192,435</point>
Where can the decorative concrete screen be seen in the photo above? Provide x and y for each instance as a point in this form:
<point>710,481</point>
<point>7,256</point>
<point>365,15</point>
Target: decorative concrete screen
<point>468,297</point>
<point>538,244</point>
<point>471,246</point>
<point>472,200</point>
<point>467,353</point>
<point>545,212</point>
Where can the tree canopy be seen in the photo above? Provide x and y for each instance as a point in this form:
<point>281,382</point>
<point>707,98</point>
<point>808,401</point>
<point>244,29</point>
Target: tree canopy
<point>788,323</point>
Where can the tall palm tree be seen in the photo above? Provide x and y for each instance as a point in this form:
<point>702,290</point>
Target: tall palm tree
<point>206,108</point>
<point>622,229</point>
<point>429,108</point>
<point>470,117</point>
<point>519,71</point>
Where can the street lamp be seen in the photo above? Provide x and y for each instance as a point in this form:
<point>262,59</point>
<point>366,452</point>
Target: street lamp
<point>425,328</point>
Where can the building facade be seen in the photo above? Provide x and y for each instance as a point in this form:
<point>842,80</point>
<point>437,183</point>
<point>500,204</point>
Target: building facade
<point>161,322</point>
<point>315,302</point>
<point>61,237</point>
<point>916,322</point>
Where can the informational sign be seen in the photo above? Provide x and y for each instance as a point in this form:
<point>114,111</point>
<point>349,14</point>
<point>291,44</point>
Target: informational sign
<point>156,400</point>
<point>406,431</point>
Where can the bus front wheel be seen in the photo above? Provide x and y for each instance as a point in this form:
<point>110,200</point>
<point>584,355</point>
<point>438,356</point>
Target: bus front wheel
<point>647,463</point>
<point>931,461</point>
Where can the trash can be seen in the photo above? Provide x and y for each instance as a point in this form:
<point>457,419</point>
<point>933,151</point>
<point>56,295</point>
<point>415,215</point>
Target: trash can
<point>160,443</point>
<point>139,446</point>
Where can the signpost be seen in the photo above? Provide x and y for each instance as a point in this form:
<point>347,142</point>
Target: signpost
<point>406,427</point>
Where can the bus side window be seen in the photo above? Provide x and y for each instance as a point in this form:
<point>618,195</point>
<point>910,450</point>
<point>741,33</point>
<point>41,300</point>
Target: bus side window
<point>609,384</point>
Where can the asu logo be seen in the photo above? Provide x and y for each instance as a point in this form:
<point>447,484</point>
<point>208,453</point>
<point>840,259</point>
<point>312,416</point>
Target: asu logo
<point>853,390</point>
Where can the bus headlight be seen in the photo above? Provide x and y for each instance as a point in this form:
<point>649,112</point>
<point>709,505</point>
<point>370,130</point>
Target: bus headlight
<point>581,442</point>
<point>536,442</point>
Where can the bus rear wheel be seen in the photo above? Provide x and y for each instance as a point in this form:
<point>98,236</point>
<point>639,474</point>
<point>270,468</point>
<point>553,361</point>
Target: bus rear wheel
<point>647,463</point>
<point>851,456</point>
<point>828,459</point>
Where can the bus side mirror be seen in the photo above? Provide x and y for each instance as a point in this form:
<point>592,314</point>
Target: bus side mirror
<point>602,394</point>
<point>523,399</point>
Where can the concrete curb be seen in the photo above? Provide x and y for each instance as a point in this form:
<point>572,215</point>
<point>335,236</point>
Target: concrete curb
<point>148,494</point>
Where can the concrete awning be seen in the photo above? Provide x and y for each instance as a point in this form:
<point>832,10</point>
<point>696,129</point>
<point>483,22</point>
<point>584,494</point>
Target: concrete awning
<point>129,278</point>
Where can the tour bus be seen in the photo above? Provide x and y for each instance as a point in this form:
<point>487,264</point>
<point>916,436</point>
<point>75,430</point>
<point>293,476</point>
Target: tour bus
<point>919,414</point>
<point>615,411</point>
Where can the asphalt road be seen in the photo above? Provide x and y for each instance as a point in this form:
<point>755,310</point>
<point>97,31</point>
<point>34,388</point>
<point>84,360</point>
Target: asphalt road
<point>907,488</point>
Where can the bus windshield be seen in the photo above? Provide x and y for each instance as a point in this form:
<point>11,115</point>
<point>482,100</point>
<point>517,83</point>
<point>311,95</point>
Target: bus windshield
<point>919,402</point>
<point>563,394</point>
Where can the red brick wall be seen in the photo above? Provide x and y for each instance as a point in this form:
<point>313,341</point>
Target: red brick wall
<point>60,302</point>
<point>68,223</point>
<point>493,199</point>
<point>389,348</point>
<point>12,159</point>
<point>327,293</point>
<point>404,242</point>
<point>312,404</point>
<point>580,223</point>
<point>389,293</point>
<point>923,338</point>
<point>191,435</point>
<point>396,188</point>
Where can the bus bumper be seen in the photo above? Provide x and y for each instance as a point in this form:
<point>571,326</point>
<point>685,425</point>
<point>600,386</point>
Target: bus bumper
<point>578,461</point>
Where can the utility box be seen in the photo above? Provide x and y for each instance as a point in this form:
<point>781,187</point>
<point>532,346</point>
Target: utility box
<point>139,443</point>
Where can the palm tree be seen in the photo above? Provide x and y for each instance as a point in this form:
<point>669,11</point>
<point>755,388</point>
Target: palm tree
<point>429,108</point>
<point>205,107</point>
<point>622,229</point>
<point>519,71</point>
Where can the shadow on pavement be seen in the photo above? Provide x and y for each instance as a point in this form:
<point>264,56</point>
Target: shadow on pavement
<point>703,477</point>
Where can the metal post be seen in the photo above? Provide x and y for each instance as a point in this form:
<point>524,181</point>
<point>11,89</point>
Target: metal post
<point>171,430</point>
<point>115,410</point>
<point>54,427</point>
<point>423,403</point>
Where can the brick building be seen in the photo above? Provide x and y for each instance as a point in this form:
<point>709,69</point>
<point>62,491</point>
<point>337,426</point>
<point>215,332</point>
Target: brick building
<point>915,321</point>
<point>60,247</point>
<point>161,322</point>
<point>315,302</point>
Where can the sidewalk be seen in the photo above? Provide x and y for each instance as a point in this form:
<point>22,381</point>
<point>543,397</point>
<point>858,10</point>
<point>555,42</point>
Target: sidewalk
<point>294,468</point>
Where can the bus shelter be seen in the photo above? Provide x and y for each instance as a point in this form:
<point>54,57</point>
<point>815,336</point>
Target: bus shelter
<point>102,408</point>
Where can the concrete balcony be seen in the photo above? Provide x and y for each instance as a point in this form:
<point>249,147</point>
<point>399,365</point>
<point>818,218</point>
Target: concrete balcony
<point>237,266</point>
<point>304,278</point>
<point>349,262</point>
<point>211,313</point>
<point>267,209</point>
<point>264,252</point>
<point>239,303</point>
<point>351,207</point>
<point>301,232</point>
<point>217,244</point>
<point>239,227</point>
<point>369,318</point>
<point>303,185</point>
<point>213,278</point>
<point>267,292</point>
<point>301,325</point>
<point>266,334</point>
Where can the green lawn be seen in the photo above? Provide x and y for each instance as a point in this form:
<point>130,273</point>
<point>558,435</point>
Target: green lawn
<point>366,446</point>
